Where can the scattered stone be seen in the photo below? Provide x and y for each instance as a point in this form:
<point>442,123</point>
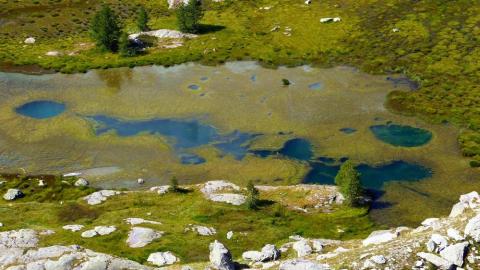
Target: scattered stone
<point>162,33</point>
<point>202,230</point>
<point>302,248</point>
<point>89,234</point>
<point>301,264</point>
<point>308,2</point>
<point>41,183</point>
<point>105,230</point>
<point>73,227</point>
<point>100,196</point>
<point>81,182</point>
<point>229,235</point>
<point>140,237</point>
<point>439,242</point>
<point>458,209</point>
<point>1,224</point>
<point>379,259</point>
<point>329,20</point>
<point>435,260</point>
<point>138,221</point>
<point>455,253</point>
<point>30,40</point>
<point>24,238</point>
<point>472,199</point>
<point>220,257</point>
<point>53,53</point>
<point>160,189</point>
<point>473,228</point>
<point>177,3</point>
<point>140,181</point>
<point>455,235</point>
<point>211,187</point>
<point>13,194</point>
<point>268,253</point>
<point>431,222</point>
<point>378,237</point>
<point>395,30</point>
<point>162,258</point>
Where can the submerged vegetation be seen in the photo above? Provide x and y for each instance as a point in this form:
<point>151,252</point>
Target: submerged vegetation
<point>434,43</point>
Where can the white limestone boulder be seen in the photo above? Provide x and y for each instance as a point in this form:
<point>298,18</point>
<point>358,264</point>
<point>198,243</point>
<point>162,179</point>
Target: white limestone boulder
<point>378,237</point>
<point>220,257</point>
<point>139,237</point>
<point>162,258</point>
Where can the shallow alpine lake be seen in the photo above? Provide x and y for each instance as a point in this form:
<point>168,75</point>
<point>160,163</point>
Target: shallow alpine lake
<point>236,122</point>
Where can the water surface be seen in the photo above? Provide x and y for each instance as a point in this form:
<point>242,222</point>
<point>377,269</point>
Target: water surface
<point>41,109</point>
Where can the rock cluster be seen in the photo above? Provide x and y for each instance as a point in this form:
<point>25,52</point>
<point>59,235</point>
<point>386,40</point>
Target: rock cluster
<point>100,196</point>
<point>211,191</point>
<point>12,194</point>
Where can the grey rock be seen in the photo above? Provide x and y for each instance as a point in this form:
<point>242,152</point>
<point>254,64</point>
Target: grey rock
<point>24,238</point>
<point>138,221</point>
<point>140,237</point>
<point>29,40</point>
<point>378,237</point>
<point>301,264</point>
<point>473,228</point>
<point>302,248</point>
<point>160,189</point>
<point>162,258</point>
<point>458,209</point>
<point>220,257</point>
<point>230,198</point>
<point>455,235</point>
<point>81,182</point>
<point>73,227</point>
<point>455,253</point>
<point>435,260</point>
<point>13,194</point>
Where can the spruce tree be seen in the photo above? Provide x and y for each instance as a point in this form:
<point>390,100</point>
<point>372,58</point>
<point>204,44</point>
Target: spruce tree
<point>252,196</point>
<point>174,184</point>
<point>126,47</point>
<point>348,181</point>
<point>189,16</point>
<point>105,29</point>
<point>142,19</point>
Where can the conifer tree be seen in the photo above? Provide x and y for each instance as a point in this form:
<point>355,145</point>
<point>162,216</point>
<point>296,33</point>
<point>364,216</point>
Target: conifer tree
<point>105,29</point>
<point>189,16</point>
<point>348,181</point>
<point>142,19</point>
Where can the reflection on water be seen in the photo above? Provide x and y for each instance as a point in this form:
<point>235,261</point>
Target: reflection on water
<point>146,128</point>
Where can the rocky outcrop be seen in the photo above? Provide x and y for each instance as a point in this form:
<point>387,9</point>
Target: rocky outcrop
<point>138,221</point>
<point>301,264</point>
<point>18,239</point>
<point>73,227</point>
<point>378,237</point>
<point>268,253</point>
<point>160,189</point>
<point>81,182</point>
<point>201,230</point>
<point>163,34</point>
<point>220,257</point>
<point>99,230</point>
<point>211,191</point>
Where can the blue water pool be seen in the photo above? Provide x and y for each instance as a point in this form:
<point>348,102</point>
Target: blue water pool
<point>348,130</point>
<point>182,134</point>
<point>298,148</point>
<point>372,177</point>
<point>41,109</point>
<point>316,86</point>
<point>193,87</point>
<point>399,135</point>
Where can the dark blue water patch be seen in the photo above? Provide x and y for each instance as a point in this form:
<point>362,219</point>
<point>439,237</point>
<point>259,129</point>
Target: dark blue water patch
<point>316,86</point>
<point>400,135</point>
<point>299,149</point>
<point>193,87</point>
<point>253,78</point>
<point>327,160</point>
<point>203,79</point>
<point>41,109</point>
<point>404,81</point>
<point>372,177</point>
<point>191,159</point>
<point>348,130</point>
<point>182,134</point>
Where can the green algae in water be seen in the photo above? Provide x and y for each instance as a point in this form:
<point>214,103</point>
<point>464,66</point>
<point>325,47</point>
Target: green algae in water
<point>400,135</point>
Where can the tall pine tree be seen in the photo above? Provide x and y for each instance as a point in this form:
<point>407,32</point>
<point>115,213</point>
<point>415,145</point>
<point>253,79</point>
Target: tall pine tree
<point>348,181</point>
<point>142,19</point>
<point>105,29</point>
<point>189,16</point>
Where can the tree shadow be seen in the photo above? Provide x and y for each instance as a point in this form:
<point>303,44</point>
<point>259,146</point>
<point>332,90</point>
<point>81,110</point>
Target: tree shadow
<point>209,28</point>
<point>265,203</point>
<point>183,190</point>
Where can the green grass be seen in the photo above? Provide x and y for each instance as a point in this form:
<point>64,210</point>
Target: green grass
<point>272,223</point>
